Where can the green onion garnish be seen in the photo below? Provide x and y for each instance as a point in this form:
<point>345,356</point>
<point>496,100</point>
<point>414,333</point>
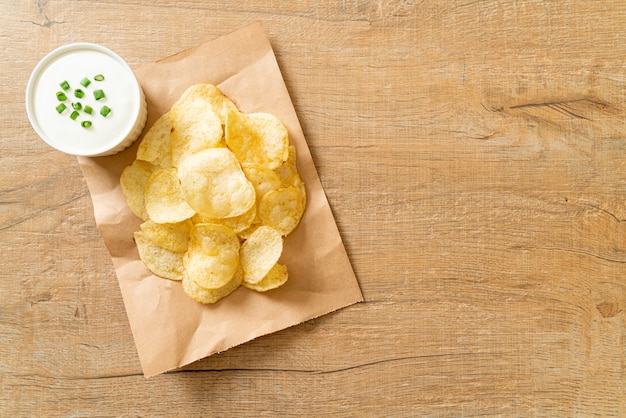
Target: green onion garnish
<point>85,123</point>
<point>61,107</point>
<point>61,96</point>
<point>105,111</point>
<point>98,77</point>
<point>98,94</point>
<point>88,109</point>
<point>74,115</point>
<point>79,93</point>
<point>85,82</point>
<point>64,85</point>
<point>77,105</point>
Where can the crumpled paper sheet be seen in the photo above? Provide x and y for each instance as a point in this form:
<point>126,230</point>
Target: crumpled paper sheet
<point>169,328</point>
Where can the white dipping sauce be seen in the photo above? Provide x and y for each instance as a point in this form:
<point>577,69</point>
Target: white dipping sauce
<point>123,95</point>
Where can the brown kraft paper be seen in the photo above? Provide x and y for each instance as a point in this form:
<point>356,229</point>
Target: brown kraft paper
<point>169,328</point>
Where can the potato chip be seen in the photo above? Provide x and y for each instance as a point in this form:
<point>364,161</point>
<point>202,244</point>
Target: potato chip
<point>213,255</point>
<point>245,234</point>
<point>289,176</point>
<point>207,296</point>
<point>276,277</point>
<point>237,223</point>
<point>171,236</point>
<point>262,178</point>
<point>155,145</point>
<point>288,172</point>
<point>211,94</point>
<point>282,209</point>
<point>258,138</point>
<point>162,262</point>
<point>165,200</point>
<point>133,182</point>
<point>195,127</point>
<point>259,253</point>
<point>214,184</point>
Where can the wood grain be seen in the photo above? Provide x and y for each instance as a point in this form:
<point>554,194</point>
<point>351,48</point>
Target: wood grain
<point>472,153</point>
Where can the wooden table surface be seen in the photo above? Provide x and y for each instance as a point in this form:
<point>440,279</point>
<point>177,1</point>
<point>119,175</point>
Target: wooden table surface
<point>473,156</point>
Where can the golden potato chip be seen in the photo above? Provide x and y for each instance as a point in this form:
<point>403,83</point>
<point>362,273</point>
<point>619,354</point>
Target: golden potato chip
<point>164,263</point>
<point>212,257</point>
<point>276,277</point>
<point>262,178</point>
<point>237,223</point>
<point>165,200</point>
<point>171,236</point>
<point>155,145</point>
<point>133,182</point>
<point>287,172</point>
<point>207,296</point>
<point>214,184</point>
<point>212,95</point>
<point>289,176</point>
<point>245,234</point>
<point>282,209</point>
<point>195,127</point>
<point>259,253</point>
<point>258,138</point>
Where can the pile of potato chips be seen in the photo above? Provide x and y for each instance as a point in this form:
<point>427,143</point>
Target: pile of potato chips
<point>218,190</point>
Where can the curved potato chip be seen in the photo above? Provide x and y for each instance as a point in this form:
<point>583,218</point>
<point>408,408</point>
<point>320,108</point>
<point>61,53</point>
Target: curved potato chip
<point>288,172</point>
<point>282,209</point>
<point>155,145</point>
<point>195,127</point>
<point>262,178</point>
<point>212,257</point>
<point>165,200</point>
<point>214,184</point>
<point>133,182</point>
<point>276,277</point>
<point>171,236</point>
<point>208,296</point>
<point>211,94</point>
<point>259,253</point>
<point>164,263</point>
<point>289,176</point>
<point>258,138</point>
<point>237,223</point>
<point>245,234</point>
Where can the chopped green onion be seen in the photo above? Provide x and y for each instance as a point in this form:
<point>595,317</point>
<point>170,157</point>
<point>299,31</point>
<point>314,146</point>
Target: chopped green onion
<point>85,123</point>
<point>61,96</point>
<point>74,115</point>
<point>98,77</point>
<point>77,105</point>
<point>61,107</point>
<point>105,111</point>
<point>64,85</point>
<point>98,94</point>
<point>88,109</point>
<point>85,82</point>
<point>79,93</point>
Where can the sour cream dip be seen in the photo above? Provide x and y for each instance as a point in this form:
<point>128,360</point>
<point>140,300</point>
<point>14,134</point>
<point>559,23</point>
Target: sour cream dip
<point>65,107</point>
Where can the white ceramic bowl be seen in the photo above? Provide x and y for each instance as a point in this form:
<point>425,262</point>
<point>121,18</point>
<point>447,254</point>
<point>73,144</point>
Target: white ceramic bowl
<point>124,97</point>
